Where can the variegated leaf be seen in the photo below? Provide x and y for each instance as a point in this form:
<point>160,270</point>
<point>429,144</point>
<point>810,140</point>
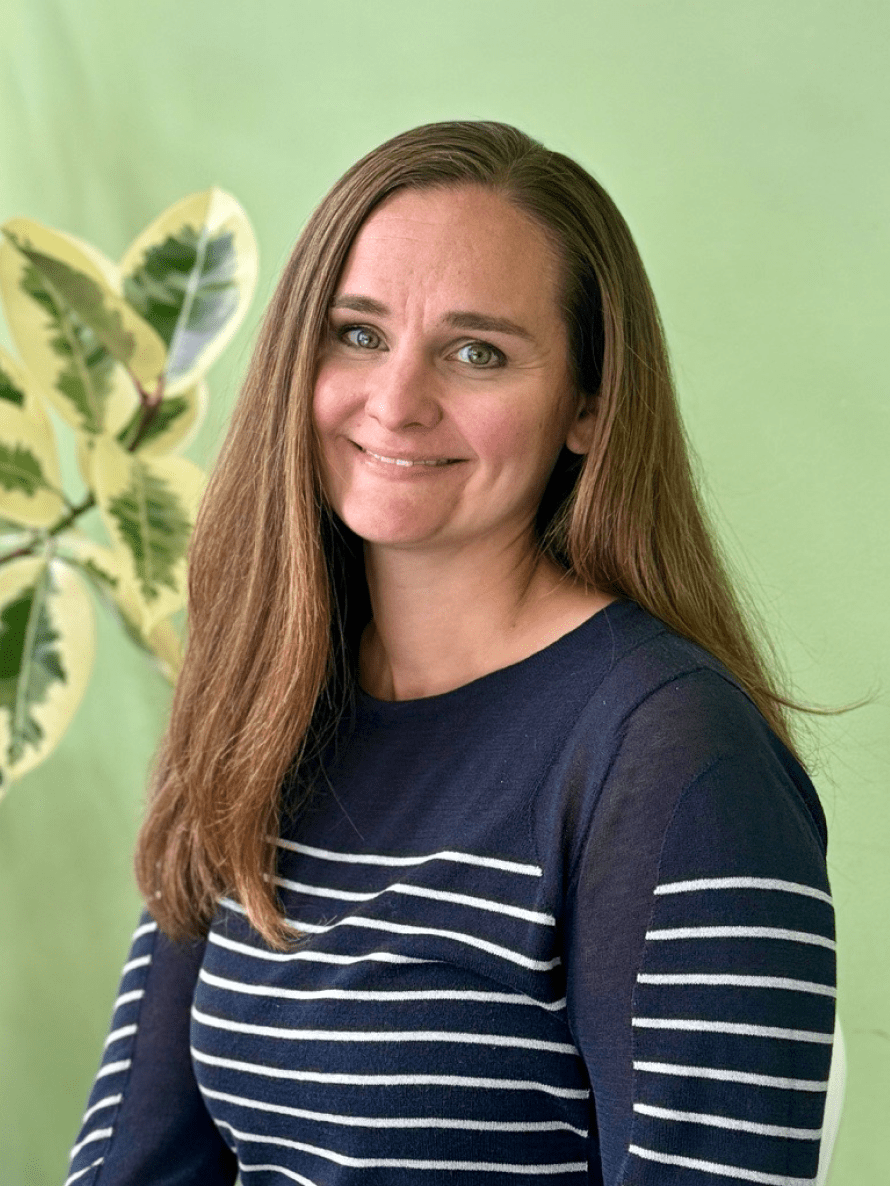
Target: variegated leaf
<point>149,507</point>
<point>18,386</point>
<point>13,537</point>
<point>75,372</point>
<point>110,573</point>
<point>192,274</point>
<point>77,278</point>
<point>85,459</point>
<point>166,648</point>
<point>7,528</point>
<point>173,426</point>
<point>30,482</point>
<point>10,391</point>
<point>47,640</point>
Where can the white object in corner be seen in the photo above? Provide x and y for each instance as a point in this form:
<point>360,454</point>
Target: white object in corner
<point>834,1102</point>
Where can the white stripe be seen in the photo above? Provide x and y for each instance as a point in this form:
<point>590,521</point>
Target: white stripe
<point>346,994</point>
<point>505,953</point>
<point>125,1031</point>
<point>99,1135</point>
<point>378,924</point>
<point>825,990</point>
<point>404,1163</point>
<point>127,997</point>
<point>765,883</point>
<point>728,1171</point>
<point>463,858</point>
<point>731,1027</point>
<point>399,1121</point>
<point>666,1068</point>
<point>113,1067</point>
<point>763,1130</point>
<point>108,1102</point>
<point>320,957</point>
<point>141,962</point>
<point>145,929</point>
<point>310,928</point>
<point>275,1169</point>
<point>568,1093</point>
<point>741,933</point>
<point>419,891</point>
<point>80,1173</point>
<point>293,1035</point>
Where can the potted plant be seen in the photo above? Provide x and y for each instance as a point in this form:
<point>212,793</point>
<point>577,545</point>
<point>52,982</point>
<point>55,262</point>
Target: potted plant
<point>117,353</point>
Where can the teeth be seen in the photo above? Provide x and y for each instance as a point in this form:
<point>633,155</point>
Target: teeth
<point>402,460</point>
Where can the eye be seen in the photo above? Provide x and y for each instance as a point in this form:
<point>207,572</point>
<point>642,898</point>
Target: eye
<point>482,356</point>
<point>484,349</point>
<point>343,336</point>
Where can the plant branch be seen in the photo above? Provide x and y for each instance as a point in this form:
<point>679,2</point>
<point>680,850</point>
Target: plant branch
<point>150,403</point>
<point>59,526</point>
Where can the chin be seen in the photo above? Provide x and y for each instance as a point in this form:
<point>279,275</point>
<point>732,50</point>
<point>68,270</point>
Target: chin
<point>391,530</point>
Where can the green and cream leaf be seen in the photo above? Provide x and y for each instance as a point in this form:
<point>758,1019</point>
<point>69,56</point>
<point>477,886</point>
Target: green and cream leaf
<point>70,366</point>
<point>149,507</point>
<point>173,426</point>
<point>10,391</point>
<point>18,386</point>
<point>110,573</point>
<point>191,274</point>
<point>47,640</point>
<point>166,648</point>
<point>79,279</point>
<point>30,482</point>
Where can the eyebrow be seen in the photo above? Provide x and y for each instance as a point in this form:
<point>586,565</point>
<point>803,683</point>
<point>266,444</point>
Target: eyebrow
<point>456,319</point>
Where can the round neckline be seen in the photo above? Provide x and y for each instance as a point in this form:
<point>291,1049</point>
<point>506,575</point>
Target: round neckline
<point>487,685</point>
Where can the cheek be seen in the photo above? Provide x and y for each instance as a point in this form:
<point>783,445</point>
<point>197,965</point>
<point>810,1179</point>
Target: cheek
<point>521,447</point>
<point>329,406</point>
<point>497,438</point>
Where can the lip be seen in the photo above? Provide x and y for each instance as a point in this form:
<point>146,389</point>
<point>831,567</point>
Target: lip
<point>406,460</point>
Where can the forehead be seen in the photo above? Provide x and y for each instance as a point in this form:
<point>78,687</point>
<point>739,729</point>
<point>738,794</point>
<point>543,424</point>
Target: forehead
<point>460,240</point>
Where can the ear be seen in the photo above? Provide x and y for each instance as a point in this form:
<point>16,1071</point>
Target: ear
<point>579,438</point>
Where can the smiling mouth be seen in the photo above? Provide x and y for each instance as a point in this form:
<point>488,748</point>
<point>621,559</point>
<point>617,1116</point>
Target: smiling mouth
<point>406,461</point>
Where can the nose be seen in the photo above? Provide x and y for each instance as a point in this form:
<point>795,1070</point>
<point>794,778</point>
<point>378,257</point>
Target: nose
<point>402,392</point>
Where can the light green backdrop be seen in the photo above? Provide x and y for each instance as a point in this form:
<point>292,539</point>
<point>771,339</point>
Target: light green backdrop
<point>745,143</point>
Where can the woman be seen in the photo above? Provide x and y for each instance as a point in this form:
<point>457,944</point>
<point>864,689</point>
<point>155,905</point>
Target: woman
<point>478,845</point>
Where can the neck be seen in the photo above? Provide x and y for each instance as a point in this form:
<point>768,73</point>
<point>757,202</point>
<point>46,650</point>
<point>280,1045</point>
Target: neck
<point>441,620</point>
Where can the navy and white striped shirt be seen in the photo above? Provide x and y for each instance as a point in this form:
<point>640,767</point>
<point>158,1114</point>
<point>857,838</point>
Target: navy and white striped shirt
<point>569,922</point>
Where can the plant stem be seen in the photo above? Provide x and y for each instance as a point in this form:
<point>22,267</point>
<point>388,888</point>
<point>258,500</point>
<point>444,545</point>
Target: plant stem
<point>65,521</point>
<point>150,404</point>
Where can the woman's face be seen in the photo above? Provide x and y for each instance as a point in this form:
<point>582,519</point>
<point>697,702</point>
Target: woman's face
<point>443,394</point>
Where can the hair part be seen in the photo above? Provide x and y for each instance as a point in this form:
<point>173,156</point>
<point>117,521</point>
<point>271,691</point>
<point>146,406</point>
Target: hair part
<point>269,661</point>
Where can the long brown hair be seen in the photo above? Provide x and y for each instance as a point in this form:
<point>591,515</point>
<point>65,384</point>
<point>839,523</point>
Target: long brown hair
<point>268,662</point>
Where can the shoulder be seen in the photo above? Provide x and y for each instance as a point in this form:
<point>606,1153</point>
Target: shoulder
<point>659,686</point>
<point>645,670</point>
<point>668,727</point>
<point>646,655</point>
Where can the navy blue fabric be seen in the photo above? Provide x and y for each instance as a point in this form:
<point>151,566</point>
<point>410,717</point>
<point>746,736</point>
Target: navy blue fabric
<point>145,1096</point>
<point>570,921</point>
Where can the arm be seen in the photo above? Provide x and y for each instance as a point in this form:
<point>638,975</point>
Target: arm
<point>145,1123</point>
<point>701,949</point>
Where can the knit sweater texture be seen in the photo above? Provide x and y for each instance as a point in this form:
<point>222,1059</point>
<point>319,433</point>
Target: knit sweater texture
<point>569,922</point>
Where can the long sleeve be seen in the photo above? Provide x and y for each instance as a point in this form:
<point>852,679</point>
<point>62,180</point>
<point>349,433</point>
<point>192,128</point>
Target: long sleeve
<point>145,1123</point>
<point>701,963</point>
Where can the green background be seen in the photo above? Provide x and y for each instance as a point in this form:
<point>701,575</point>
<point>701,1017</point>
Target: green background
<point>745,144</point>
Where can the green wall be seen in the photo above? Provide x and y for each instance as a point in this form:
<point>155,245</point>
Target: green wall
<point>746,145</point>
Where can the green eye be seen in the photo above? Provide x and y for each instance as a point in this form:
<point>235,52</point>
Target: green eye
<point>482,356</point>
<point>484,349</point>
<point>356,329</point>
